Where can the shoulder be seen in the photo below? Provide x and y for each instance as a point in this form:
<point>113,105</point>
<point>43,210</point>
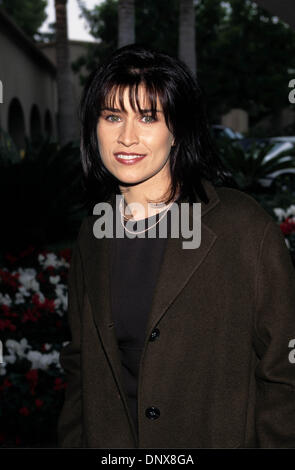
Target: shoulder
<point>240,208</point>
<point>238,216</point>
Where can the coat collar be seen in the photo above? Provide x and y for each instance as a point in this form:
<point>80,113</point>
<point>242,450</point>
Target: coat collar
<point>177,268</point>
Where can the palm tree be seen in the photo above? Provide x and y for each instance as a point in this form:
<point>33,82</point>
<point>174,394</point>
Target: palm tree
<point>126,22</point>
<point>186,45</point>
<point>66,108</point>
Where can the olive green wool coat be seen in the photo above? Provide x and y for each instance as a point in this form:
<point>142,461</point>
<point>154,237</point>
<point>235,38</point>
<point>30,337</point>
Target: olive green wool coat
<point>221,371</point>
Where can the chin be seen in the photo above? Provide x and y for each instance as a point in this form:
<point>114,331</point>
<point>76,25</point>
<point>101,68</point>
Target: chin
<point>132,179</point>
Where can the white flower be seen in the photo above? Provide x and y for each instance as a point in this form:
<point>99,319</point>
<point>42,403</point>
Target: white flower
<point>5,299</point>
<point>291,211</point>
<point>34,357</point>
<point>54,279</point>
<point>42,361</point>
<point>41,258</point>
<point>47,346</point>
<point>287,243</point>
<point>61,298</point>
<point>19,298</point>
<point>15,348</point>
<point>27,279</point>
<point>24,292</point>
<point>52,260</point>
<point>280,213</point>
<point>10,359</point>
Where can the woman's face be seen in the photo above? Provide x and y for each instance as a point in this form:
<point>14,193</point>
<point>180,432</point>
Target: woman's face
<point>134,147</point>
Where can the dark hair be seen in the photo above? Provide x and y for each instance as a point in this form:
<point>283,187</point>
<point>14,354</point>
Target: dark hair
<point>193,156</point>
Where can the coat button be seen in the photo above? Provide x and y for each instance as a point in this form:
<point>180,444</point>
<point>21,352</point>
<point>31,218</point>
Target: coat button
<point>154,334</point>
<point>152,412</point>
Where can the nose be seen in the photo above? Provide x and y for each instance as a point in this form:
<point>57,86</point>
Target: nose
<point>128,135</point>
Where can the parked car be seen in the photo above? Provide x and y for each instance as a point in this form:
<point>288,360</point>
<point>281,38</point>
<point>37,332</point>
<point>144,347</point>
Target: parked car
<point>257,161</point>
<point>220,131</point>
<point>289,138</point>
<point>279,148</point>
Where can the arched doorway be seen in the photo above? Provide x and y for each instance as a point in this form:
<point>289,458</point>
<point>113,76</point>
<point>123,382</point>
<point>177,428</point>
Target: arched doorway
<point>16,123</point>
<point>48,127</point>
<point>35,124</point>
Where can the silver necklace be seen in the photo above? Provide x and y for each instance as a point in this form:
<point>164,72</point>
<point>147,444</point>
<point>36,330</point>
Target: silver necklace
<point>145,230</point>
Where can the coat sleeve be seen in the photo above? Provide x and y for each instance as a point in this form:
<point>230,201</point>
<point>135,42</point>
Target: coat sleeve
<point>69,428</point>
<point>274,334</point>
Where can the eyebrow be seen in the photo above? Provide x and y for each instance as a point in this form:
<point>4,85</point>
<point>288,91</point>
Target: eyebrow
<point>116,110</point>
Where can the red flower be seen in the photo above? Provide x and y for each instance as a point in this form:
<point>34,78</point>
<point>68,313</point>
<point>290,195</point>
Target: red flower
<point>66,254</point>
<point>48,304</point>
<point>24,411</point>
<point>7,324</point>
<point>288,226</point>
<point>9,279</point>
<point>7,312</point>
<point>6,384</point>
<point>27,252</point>
<point>5,309</point>
<point>32,378</point>
<point>59,384</point>
<point>50,269</point>
<point>40,277</point>
<point>31,315</point>
<point>32,375</point>
<point>12,259</point>
<point>38,402</point>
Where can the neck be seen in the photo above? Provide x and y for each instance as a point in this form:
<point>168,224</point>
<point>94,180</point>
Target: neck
<point>144,200</point>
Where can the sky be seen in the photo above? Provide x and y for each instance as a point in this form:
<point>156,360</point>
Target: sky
<point>77,27</point>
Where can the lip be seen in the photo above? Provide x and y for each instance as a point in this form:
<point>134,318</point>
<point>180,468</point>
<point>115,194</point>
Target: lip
<point>130,161</point>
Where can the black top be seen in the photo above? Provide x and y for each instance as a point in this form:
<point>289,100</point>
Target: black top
<point>135,267</point>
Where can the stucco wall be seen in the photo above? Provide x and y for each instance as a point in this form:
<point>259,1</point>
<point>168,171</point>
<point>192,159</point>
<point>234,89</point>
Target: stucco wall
<point>24,77</point>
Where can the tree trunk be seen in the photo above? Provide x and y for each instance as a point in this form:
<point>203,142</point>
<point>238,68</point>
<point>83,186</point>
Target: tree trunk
<point>126,22</point>
<point>66,107</point>
<point>186,45</point>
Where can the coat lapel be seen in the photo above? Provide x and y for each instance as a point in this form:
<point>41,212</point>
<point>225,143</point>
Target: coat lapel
<point>178,266</point>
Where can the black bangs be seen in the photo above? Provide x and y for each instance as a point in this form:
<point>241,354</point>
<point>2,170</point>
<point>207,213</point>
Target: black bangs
<point>112,95</point>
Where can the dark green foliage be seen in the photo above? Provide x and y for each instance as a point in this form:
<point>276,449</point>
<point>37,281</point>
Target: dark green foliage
<point>246,60</point>
<point>8,151</point>
<point>41,197</point>
<point>245,57</point>
<point>28,14</point>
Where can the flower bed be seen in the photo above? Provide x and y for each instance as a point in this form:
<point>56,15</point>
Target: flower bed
<point>33,328</point>
<point>286,219</point>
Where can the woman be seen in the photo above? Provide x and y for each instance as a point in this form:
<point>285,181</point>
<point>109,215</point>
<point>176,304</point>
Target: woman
<point>171,347</point>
